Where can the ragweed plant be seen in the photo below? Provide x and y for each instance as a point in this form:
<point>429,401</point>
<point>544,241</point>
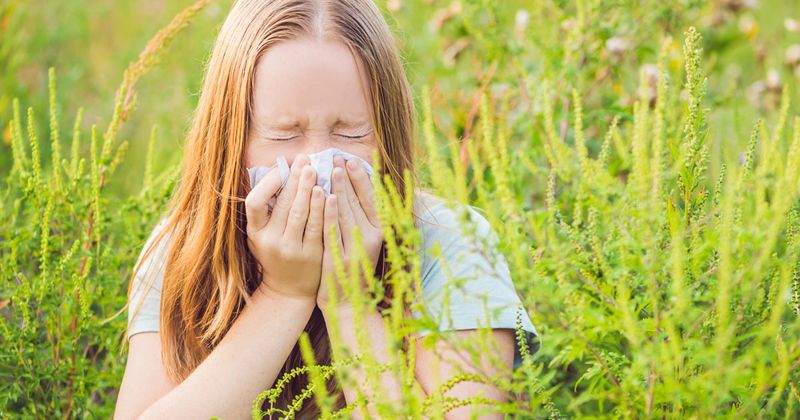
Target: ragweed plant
<point>66,246</point>
<point>671,288</point>
<point>666,290</point>
<point>660,263</point>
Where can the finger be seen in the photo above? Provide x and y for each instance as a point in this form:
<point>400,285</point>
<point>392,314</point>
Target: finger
<point>298,214</point>
<point>255,203</point>
<point>362,185</point>
<point>331,220</point>
<point>284,203</point>
<point>346,217</point>
<point>359,216</point>
<point>314,226</point>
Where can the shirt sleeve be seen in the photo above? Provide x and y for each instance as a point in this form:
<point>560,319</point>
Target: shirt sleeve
<point>145,294</point>
<point>466,280</point>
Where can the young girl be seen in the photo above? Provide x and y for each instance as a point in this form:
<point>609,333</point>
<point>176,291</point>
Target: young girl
<point>226,284</point>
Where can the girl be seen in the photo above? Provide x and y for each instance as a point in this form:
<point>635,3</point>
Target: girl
<point>224,287</point>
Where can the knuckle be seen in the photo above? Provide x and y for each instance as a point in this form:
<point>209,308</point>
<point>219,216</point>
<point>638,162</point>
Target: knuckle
<point>296,169</point>
<point>312,226</point>
<point>295,215</point>
<point>287,253</point>
<point>270,246</point>
<point>282,204</point>
<point>262,240</point>
<point>250,202</point>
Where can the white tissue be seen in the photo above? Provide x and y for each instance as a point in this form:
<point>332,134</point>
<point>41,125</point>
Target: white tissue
<point>322,162</point>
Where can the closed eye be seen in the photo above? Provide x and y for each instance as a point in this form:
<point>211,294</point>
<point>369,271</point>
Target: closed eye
<point>280,138</point>
<point>352,137</point>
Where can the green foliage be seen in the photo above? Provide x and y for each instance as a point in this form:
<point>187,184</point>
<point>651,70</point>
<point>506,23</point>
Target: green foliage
<point>67,252</point>
<point>655,243</point>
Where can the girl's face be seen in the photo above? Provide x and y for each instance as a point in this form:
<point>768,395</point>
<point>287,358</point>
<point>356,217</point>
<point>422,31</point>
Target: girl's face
<point>308,96</point>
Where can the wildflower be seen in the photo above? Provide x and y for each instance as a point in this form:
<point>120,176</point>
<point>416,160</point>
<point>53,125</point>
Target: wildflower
<point>739,5</point>
<point>568,24</point>
<point>617,46</point>
<point>792,58</point>
<point>793,55</point>
<point>729,9</point>
<point>650,91</point>
<point>766,94</point>
<point>774,81</point>
<point>791,25</point>
<point>748,26</point>
<point>521,22</point>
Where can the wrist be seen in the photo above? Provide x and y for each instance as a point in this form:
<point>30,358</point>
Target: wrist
<point>271,297</point>
<point>343,311</point>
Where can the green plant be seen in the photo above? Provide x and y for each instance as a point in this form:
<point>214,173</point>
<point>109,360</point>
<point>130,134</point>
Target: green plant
<point>667,291</point>
<point>655,243</point>
<point>67,245</point>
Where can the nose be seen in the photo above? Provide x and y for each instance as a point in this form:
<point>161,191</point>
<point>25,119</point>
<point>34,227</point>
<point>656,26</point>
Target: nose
<point>310,147</point>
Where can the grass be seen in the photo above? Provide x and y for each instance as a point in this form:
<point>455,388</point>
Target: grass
<point>650,215</point>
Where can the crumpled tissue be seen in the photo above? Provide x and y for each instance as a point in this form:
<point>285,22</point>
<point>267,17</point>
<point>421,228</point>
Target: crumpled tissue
<point>322,162</point>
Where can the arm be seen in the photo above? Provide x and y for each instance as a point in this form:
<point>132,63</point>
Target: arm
<point>433,366</point>
<point>244,363</point>
<point>436,365</point>
<point>389,384</point>
<point>353,205</point>
<point>249,357</point>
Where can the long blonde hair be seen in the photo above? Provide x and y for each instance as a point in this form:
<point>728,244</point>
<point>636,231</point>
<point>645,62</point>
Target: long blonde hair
<point>209,272</point>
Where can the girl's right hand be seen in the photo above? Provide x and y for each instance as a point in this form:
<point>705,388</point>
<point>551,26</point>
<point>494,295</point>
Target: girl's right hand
<point>288,242</point>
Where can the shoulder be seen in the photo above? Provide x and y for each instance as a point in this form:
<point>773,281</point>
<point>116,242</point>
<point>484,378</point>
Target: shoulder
<point>456,235</point>
<point>144,296</point>
<point>446,221</point>
<point>465,277</point>
<point>457,242</point>
<point>157,256</point>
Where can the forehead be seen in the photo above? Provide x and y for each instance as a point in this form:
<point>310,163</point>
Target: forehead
<point>308,81</point>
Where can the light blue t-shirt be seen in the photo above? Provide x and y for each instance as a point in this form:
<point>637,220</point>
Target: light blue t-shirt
<point>471,276</point>
<point>463,270</point>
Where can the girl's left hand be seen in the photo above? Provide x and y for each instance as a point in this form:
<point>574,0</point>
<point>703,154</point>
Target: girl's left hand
<point>354,205</point>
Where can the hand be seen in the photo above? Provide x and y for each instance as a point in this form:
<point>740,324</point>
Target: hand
<point>288,242</point>
<point>354,205</point>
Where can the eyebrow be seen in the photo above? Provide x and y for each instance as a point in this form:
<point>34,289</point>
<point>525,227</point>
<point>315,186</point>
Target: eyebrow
<point>350,124</point>
<point>289,124</point>
<point>282,124</point>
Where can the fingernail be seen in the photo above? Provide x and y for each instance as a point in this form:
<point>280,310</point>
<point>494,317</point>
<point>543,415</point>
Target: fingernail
<point>352,165</point>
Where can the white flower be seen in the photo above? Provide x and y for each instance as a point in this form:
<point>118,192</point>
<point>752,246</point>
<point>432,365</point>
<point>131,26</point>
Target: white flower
<point>793,55</point>
<point>521,21</point>
<point>617,45</point>
<point>791,25</point>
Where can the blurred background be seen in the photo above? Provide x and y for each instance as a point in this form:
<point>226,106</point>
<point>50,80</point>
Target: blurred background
<point>458,48</point>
